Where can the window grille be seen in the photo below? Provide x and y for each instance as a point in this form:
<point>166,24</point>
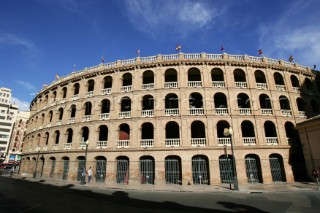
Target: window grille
<point>200,173</point>
<point>147,171</point>
<point>122,170</point>
<point>173,170</point>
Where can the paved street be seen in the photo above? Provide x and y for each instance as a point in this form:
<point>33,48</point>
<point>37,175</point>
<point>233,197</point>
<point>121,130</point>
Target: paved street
<point>22,195</point>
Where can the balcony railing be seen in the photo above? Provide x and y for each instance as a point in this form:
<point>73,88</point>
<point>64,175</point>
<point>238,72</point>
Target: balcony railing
<point>55,146</point>
<point>67,146</point>
<point>106,91</point>
<point>45,148</point>
<point>75,97</point>
<point>249,141</point>
<point>82,145</point>
<point>171,84</point>
<point>62,101</point>
<point>173,142</point>
<point>262,86</point>
<point>302,114</point>
<point>71,120</point>
<point>123,143</point>
<point>86,118</point>
<point>148,86</point>
<point>58,123</point>
<point>198,141</point>
<point>104,116</point>
<point>241,84</point>
<point>196,111</point>
<point>221,111</point>
<point>266,111</point>
<point>171,111</point>
<point>296,89</point>
<point>89,94</point>
<point>125,114</point>
<point>102,144</point>
<point>310,92</point>
<point>224,141</point>
<point>218,84</point>
<point>147,113</point>
<point>280,87</point>
<point>194,84</point>
<point>245,111</point>
<point>147,143</point>
<point>286,112</point>
<point>126,88</point>
<point>48,125</point>
<point>272,140</point>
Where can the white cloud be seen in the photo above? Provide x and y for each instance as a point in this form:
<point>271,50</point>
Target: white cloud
<point>23,105</point>
<point>26,85</point>
<point>293,34</point>
<point>179,18</point>
<point>11,39</point>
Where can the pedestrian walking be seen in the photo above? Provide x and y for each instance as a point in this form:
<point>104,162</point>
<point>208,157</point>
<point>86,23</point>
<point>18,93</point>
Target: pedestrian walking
<point>89,174</point>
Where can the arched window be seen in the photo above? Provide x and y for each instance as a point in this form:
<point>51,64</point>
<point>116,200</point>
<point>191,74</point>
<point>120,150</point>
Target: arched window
<point>57,136</point>
<point>198,134</point>
<point>87,107</point>
<point>76,88</point>
<point>90,85</point>
<point>277,168</point>
<point>240,78</point>
<point>253,168</point>
<point>170,78</point>
<point>200,170</point>
<point>147,167</point>
<point>148,80</point>
<point>173,170</point>
<point>105,106</point>
<point>284,103</point>
<point>248,134</point>
<point>260,79</point>
<point>84,134</point>
<point>124,132</point>
<point>295,82</point>
<point>101,168</point>
<point>73,110</point>
<point>70,135</point>
<point>265,104</point>
<point>172,134</point>
<point>125,104</point>
<point>194,77</point>
<point>64,92</point>
<point>220,103</point>
<point>60,114</point>
<point>270,133</point>
<point>217,77</point>
<point>122,170</point>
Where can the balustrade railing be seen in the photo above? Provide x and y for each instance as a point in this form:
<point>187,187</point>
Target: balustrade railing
<point>58,123</point>
<point>302,114</point>
<point>196,111</point>
<point>147,143</point>
<point>224,141</point>
<point>86,118</point>
<point>148,59</point>
<point>170,57</point>
<point>55,146</point>
<point>171,111</point>
<point>125,114</point>
<point>123,143</point>
<point>67,146</point>
<point>126,88</point>
<point>286,112</point>
<point>280,87</point>
<point>254,58</point>
<point>214,56</point>
<point>266,111</point>
<point>173,142</point>
<point>218,84</point>
<point>236,57</point>
<point>89,94</point>
<point>147,113</point>
<point>71,120</point>
<point>45,148</point>
<point>106,91</point>
<point>102,144</point>
<point>272,140</point>
<point>192,56</point>
<point>171,84</point>
<point>194,84</point>
<point>262,86</point>
<point>296,89</point>
<point>82,145</point>
<point>245,111</point>
<point>198,141</point>
<point>241,84</point>
<point>148,86</point>
<point>221,111</point>
<point>75,97</point>
<point>249,141</point>
<point>104,116</point>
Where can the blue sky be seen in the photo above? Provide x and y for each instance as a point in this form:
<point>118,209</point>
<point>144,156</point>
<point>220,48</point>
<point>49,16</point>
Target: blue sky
<point>42,38</point>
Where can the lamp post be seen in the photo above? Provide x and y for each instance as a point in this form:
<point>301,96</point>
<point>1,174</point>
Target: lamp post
<point>229,132</point>
<point>35,169</point>
<point>83,175</point>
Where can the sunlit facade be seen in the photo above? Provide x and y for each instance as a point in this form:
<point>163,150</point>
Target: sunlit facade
<point>160,120</point>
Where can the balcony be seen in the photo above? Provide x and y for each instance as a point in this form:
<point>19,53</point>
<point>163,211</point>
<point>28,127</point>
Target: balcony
<point>198,141</point>
<point>102,144</point>
<point>266,111</point>
<point>249,141</point>
<point>55,147</point>
<point>62,101</point>
<point>272,140</point>
<point>147,143</point>
<point>218,84</point>
<point>241,85</point>
<point>67,146</point>
<point>71,120</point>
<point>310,92</point>
<point>286,112</point>
<point>280,87</point>
<point>58,123</point>
<point>75,97</point>
<point>221,111</point>
<point>173,142</point>
<point>125,114</point>
<point>171,84</point>
<point>245,111</point>
<point>89,94</point>
<point>224,141</point>
<point>194,84</point>
<point>296,89</point>
<point>123,143</point>
<point>196,111</point>
<point>171,111</point>
<point>148,86</point>
<point>262,86</point>
<point>126,88</point>
<point>302,114</point>
<point>86,118</point>
<point>48,125</point>
<point>147,113</point>
<point>106,91</point>
<point>82,145</point>
<point>104,116</point>
<point>45,148</point>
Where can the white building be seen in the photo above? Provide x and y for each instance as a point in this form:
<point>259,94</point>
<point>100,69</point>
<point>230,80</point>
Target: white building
<point>8,113</point>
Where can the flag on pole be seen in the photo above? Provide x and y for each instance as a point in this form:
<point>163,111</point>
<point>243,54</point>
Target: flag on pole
<point>57,76</point>
<point>74,67</point>
<point>178,47</point>
<point>314,66</point>
<point>291,58</point>
<point>102,59</point>
<point>260,52</point>
<point>138,52</point>
<point>222,48</point>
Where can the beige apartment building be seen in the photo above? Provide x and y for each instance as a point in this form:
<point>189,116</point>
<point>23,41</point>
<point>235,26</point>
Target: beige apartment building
<point>161,120</point>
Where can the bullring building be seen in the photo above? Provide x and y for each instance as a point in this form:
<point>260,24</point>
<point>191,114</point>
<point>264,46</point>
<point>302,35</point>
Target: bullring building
<point>161,120</point>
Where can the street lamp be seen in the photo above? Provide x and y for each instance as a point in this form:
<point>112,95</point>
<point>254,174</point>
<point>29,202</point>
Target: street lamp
<point>83,174</point>
<point>35,169</point>
<point>229,132</point>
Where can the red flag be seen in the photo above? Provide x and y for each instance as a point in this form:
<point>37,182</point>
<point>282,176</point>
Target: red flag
<point>138,51</point>
<point>178,47</point>
<point>102,59</point>
<point>260,52</point>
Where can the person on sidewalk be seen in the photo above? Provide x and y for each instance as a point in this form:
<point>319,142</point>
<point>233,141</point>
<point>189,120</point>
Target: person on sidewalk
<point>89,175</point>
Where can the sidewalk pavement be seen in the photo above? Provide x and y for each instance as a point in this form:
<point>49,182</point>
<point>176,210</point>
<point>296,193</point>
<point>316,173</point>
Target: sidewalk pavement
<point>277,187</point>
